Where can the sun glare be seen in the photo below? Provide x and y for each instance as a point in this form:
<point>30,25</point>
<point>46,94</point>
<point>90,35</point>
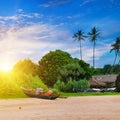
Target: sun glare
<point>5,67</point>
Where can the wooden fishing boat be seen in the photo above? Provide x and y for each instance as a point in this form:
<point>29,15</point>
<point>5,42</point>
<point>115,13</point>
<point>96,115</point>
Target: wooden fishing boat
<point>42,95</point>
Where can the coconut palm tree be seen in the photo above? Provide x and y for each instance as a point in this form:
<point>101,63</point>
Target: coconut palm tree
<point>118,43</point>
<point>118,46</point>
<point>79,36</point>
<point>116,49</point>
<point>93,35</point>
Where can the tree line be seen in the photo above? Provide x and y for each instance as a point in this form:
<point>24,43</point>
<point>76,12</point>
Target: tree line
<point>55,65</point>
<point>59,65</point>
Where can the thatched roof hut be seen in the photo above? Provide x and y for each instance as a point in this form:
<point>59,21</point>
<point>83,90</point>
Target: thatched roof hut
<point>96,84</point>
<point>103,81</point>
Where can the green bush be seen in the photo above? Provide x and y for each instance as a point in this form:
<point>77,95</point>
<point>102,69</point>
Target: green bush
<point>8,87</point>
<point>55,90</point>
<point>26,66</point>
<point>86,67</point>
<point>60,85</point>
<point>29,81</point>
<point>81,84</point>
<point>71,71</point>
<point>76,69</point>
<point>68,86</point>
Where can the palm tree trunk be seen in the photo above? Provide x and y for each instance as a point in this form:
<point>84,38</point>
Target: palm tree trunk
<point>115,59</point>
<point>80,50</point>
<point>114,63</point>
<point>119,62</point>
<point>119,58</point>
<point>94,55</point>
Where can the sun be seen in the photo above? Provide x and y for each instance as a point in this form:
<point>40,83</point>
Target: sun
<point>5,67</point>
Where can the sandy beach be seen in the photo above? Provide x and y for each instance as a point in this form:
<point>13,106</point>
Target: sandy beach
<point>72,108</point>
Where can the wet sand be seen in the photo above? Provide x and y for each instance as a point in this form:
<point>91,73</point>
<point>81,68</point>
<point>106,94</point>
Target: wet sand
<point>72,108</point>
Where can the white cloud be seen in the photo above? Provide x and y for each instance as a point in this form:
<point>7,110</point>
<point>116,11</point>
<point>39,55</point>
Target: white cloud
<point>9,18</point>
<point>20,10</point>
<point>33,40</point>
<point>54,3</point>
<point>28,40</point>
<point>19,18</point>
<point>84,2</point>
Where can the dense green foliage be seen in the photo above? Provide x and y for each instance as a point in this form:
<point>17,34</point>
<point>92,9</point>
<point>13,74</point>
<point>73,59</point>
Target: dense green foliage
<point>116,69</point>
<point>75,70</point>
<point>50,65</point>
<point>60,65</point>
<point>12,84</point>
<point>107,69</point>
<point>72,84</point>
<point>9,87</point>
<point>86,67</point>
<point>26,66</point>
<point>28,80</point>
<point>97,71</point>
<point>82,84</point>
<point>60,85</point>
<point>26,74</point>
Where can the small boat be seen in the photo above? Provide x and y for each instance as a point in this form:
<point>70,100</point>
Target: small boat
<point>42,95</point>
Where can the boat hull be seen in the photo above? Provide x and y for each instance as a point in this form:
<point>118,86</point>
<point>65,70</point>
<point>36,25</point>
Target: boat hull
<point>32,93</point>
<point>41,96</point>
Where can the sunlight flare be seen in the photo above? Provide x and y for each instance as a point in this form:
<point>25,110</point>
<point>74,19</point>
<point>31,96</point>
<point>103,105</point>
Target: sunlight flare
<point>5,67</point>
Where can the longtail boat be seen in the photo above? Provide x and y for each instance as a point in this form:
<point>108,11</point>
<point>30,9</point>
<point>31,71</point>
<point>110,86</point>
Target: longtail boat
<point>43,95</point>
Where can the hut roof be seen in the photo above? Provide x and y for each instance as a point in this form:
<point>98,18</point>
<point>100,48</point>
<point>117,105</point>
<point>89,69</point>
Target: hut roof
<point>105,78</point>
<point>96,83</point>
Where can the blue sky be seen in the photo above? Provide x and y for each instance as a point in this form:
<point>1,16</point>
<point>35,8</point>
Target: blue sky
<point>31,28</point>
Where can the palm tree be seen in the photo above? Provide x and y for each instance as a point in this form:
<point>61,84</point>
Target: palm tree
<point>93,35</point>
<point>118,43</point>
<point>116,49</point>
<point>79,36</point>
